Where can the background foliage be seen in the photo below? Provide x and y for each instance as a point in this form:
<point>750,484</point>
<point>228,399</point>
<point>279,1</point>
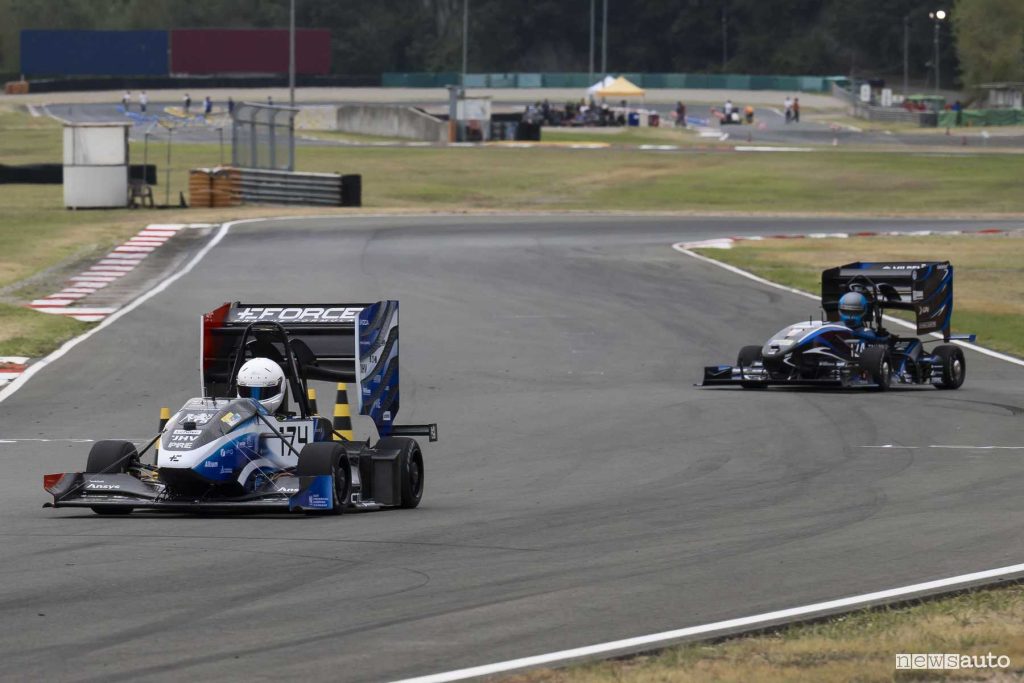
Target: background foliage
<point>859,37</point>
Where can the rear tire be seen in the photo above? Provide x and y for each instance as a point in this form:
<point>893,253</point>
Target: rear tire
<point>328,457</point>
<point>954,366</point>
<point>410,468</point>
<point>111,457</point>
<point>747,356</point>
<point>876,362</point>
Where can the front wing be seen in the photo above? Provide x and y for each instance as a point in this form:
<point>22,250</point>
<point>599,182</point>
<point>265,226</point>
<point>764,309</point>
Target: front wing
<point>285,493</point>
<point>728,375</point>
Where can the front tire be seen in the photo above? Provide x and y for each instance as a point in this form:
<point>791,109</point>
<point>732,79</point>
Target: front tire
<point>954,366</point>
<point>410,468</point>
<point>877,363</point>
<point>111,457</point>
<point>328,457</point>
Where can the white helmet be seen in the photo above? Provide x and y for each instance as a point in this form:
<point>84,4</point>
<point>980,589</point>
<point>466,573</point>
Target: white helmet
<point>263,380</point>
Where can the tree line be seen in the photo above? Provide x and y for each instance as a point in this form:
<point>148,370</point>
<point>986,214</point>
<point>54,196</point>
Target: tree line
<point>980,40</point>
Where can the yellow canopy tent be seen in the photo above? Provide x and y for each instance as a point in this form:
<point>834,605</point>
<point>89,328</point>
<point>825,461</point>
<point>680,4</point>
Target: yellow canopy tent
<point>621,87</point>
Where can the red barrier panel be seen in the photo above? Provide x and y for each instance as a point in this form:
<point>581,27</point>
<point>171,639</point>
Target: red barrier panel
<point>249,51</point>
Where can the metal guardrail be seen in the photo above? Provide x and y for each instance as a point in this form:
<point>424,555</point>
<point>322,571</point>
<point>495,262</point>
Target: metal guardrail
<point>233,186</point>
<point>281,187</point>
<point>870,112</point>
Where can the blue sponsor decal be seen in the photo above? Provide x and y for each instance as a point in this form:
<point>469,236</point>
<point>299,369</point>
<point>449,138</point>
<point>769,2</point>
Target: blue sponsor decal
<point>318,495</point>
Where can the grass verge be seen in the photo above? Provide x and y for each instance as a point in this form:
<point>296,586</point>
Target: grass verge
<point>861,646</point>
<point>988,285</point>
<point>39,236</point>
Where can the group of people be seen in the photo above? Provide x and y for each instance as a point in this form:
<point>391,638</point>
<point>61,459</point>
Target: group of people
<point>792,106</point>
<point>186,103</point>
<point>581,113</point>
<point>126,101</point>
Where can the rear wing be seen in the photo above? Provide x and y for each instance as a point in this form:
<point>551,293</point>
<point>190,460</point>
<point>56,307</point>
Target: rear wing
<point>924,287</point>
<point>352,343</point>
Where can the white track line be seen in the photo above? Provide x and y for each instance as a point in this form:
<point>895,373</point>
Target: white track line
<point>730,626</point>
<point>680,247</point>
<point>19,382</point>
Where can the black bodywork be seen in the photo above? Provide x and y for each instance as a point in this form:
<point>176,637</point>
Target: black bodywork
<point>829,353</point>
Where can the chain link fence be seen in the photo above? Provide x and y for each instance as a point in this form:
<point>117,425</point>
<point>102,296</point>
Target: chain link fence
<point>263,136</point>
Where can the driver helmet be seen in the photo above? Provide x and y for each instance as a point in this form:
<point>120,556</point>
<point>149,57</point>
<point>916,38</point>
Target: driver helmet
<point>853,308</point>
<point>262,379</point>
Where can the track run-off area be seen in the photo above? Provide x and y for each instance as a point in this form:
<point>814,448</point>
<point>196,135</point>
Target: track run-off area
<point>583,490</point>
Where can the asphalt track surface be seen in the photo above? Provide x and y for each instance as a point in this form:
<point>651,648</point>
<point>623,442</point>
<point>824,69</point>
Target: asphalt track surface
<point>583,489</point>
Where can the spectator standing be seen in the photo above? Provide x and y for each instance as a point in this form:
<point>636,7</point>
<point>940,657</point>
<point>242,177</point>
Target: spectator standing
<point>796,110</point>
<point>680,114</point>
<point>188,103</point>
<point>958,107</point>
<point>207,106</point>
<point>788,104</point>
<point>126,100</point>
<point>143,101</point>
<point>270,100</point>
<point>231,105</point>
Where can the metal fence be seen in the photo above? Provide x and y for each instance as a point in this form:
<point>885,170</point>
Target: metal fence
<point>263,136</point>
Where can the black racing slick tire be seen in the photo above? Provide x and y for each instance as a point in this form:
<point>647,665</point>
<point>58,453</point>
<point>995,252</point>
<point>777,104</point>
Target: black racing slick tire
<point>410,467</point>
<point>747,356</point>
<point>878,364</point>
<point>111,457</point>
<point>328,457</point>
<point>954,366</point>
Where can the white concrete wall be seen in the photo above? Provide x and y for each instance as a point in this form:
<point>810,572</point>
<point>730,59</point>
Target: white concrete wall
<point>391,122</point>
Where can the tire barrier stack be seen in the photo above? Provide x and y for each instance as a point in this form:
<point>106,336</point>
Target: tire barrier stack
<point>216,187</point>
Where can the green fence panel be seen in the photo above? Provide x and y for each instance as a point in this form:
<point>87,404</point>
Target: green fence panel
<point>571,80</point>
<point>814,84</point>
<point>654,81</point>
<point>529,80</point>
<point>977,118</point>
<point>501,80</point>
<point>697,81</point>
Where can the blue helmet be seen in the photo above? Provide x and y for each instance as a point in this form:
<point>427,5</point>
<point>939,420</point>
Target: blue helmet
<point>853,308</point>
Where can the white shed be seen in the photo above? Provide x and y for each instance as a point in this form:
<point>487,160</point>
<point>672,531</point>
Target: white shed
<point>95,165</point>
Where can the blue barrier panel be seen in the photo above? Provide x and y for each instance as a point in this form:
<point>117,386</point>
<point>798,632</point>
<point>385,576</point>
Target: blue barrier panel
<point>94,53</point>
<point>475,81</point>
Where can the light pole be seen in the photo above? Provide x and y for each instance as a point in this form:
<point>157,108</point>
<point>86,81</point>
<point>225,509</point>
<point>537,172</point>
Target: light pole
<point>591,78</point>
<point>604,41</point>
<point>906,55</point>
<point>725,39</point>
<point>291,55</point>
<point>937,17</point>
<point>465,39</point>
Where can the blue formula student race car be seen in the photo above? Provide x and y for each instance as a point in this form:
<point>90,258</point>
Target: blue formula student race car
<point>225,451</point>
<point>849,347</point>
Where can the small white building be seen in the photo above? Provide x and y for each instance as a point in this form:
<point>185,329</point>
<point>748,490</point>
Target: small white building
<point>96,165</point>
<point>1004,95</point>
